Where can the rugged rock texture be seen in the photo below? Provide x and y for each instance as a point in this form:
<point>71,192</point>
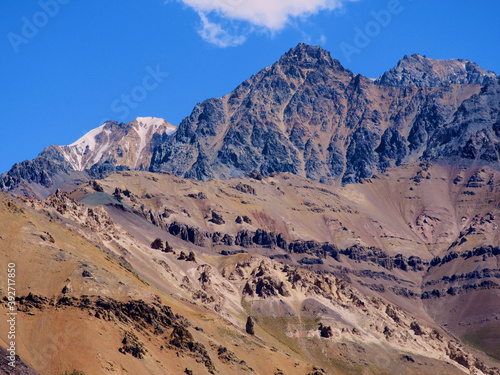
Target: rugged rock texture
<point>473,134</point>
<point>420,71</point>
<point>305,114</point>
<point>249,327</point>
<point>382,320</point>
<point>309,116</point>
<point>365,287</point>
<point>384,276</point>
<point>42,175</point>
<point>422,236</point>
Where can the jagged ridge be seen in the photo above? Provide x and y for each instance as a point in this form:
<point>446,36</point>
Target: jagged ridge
<point>309,116</point>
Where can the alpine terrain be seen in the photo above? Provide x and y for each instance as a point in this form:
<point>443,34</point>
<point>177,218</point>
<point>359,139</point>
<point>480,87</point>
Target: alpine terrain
<point>313,221</point>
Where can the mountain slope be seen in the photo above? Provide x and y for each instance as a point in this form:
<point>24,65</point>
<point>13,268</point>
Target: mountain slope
<point>114,304</point>
<point>306,115</point>
<point>94,313</point>
<point>41,176</point>
<point>261,267</point>
<point>423,237</point>
<point>309,116</point>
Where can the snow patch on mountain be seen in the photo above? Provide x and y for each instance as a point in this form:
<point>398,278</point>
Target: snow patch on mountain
<point>123,144</point>
<point>145,127</point>
<point>88,139</point>
<point>142,131</point>
<point>83,145</point>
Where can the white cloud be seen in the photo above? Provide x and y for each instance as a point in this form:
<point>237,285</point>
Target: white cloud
<point>215,34</point>
<point>271,15</point>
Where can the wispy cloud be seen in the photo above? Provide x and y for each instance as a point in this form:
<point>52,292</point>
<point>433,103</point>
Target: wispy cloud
<point>270,15</point>
<point>214,33</point>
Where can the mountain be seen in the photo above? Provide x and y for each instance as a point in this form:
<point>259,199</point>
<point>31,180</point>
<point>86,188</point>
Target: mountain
<point>110,147</point>
<point>305,114</point>
<point>127,145</point>
<point>308,115</point>
<point>261,275</point>
<point>311,222</point>
<point>420,71</point>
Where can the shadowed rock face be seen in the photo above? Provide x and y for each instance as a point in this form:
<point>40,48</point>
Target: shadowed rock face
<point>473,133</point>
<point>309,116</point>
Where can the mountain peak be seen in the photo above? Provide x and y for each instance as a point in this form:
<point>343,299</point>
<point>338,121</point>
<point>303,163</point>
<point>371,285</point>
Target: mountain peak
<point>421,71</point>
<point>149,121</point>
<point>303,49</point>
<point>309,57</point>
<point>107,148</point>
<point>118,142</point>
<point>307,115</point>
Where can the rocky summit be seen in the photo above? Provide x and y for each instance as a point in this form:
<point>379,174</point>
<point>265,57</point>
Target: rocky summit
<point>419,71</point>
<point>129,145</point>
<point>308,115</point>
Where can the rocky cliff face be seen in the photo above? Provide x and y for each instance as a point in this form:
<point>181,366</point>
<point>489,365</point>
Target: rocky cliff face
<point>276,273</point>
<point>305,114</point>
<point>39,177</point>
<point>47,164</point>
<point>309,116</point>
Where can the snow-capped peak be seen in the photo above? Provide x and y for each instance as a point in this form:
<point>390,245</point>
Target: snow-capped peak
<point>145,128</point>
<point>124,144</point>
<point>147,123</point>
<point>150,121</point>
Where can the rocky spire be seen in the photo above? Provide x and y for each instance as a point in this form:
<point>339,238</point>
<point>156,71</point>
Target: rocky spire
<point>306,56</point>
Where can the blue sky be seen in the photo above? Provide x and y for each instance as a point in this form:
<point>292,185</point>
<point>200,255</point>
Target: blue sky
<point>67,65</point>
